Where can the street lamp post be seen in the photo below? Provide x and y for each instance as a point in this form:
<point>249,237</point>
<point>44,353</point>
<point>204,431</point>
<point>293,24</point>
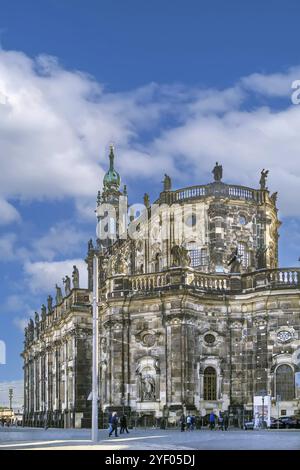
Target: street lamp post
<point>263,394</point>
<point>95,352</point>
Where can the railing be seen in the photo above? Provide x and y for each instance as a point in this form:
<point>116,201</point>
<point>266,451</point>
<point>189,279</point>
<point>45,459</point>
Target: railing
<point>174,278</point>
<point>219,189</point>
<point>280,278</point>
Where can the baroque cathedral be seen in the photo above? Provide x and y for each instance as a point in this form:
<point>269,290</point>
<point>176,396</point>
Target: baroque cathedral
<point>194,313</point>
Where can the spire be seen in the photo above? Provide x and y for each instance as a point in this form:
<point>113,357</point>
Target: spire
<point>111,157</point>
<point>111,178</point>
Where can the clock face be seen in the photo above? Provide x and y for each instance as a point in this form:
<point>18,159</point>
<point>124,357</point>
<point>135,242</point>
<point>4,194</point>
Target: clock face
<point>284,336</point>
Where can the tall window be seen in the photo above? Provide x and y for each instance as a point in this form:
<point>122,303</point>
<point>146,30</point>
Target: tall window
<point>243,252</point>
<point>198,256</point>
<point>210,384</point>
<point>285,387</point>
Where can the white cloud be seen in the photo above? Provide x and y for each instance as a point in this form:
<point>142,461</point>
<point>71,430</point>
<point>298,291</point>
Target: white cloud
<point>8,213</point>
<point>55,125</point>
<point>41,276</point>
<point>7,247</point>
<point>276,84</point>
<point>61,239</point>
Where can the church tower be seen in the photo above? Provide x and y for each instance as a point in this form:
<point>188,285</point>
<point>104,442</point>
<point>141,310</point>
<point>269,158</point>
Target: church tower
<point>111,206</point>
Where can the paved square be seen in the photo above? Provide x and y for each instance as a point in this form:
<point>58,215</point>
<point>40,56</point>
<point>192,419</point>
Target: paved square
<point>149,439</point>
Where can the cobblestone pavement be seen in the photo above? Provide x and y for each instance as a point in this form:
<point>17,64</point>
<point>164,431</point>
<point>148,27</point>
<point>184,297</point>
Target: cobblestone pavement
<point>149,439</point>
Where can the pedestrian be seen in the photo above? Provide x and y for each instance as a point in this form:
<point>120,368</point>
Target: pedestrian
<point>211,421</point>
<point>225,421</point>
<point>123,424</point>
<point>193,422</point>
<point>114,424</point>
<point>46,422</point>
<point>221,422</point>
<point>110,422</point>
<point>188,422</point>
<point>182,423</point>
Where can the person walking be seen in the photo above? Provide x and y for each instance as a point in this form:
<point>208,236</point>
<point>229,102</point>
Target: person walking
<point>182,423</point>
<point>225,421</point>
<point>110,422</point>
<point>221,422</point>
<point>114,424</point>
<point>211,421</point>
<point>123,424</point>
<point>189,422</point>
<point>46,425</point>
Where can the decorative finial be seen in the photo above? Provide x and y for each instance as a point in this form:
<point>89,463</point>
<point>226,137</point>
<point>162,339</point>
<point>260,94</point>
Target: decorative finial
<point>111,156</point>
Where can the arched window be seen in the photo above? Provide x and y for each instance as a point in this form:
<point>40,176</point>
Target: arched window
<point>285,387</point>
<point>210,384</point>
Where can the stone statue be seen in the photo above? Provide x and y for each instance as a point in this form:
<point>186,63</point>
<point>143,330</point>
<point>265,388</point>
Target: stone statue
<point>167,183</point>
<point>180,256</point>
<point>218,172</point>
<point>49,304</point>
<point>26,335</point>
<point>148,388</point>
<point>260,256</point>
<point>146,200</point>
<point>263,179</point>
<point>119,265</point>
<point>90,245</point>
<point>30,330</point>
<point>274,198</point>
<point>44,312</point>
<point>75,277</point>
<point>67,284</point>
<point>235,262</point>
<point>36,318</point>
<point>59,296</point>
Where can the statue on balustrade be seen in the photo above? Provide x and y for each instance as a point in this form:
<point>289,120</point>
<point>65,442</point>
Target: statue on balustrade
<point>59,296</point>
<point>90,245</point>
<point>49,304</point>
<point>44,312</point>
<point>235,262</point>
<point>167,183</point>
<point>148,388</point>
<point>180,256</point>
<point>75,277</point>
<point>30,330</point>
<point>37,323</point>
<point>274,198</point>
<point>67,284</point>
<point>119,265</point>
<point>260,256</point>
<point>146,200</point>
<point>218,172</point>
<point>263,179</point>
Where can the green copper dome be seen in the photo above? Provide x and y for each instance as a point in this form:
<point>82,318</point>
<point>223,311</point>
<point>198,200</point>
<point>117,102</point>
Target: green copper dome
<point>111,177</point>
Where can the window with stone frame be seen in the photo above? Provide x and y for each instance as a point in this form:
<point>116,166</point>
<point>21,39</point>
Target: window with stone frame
<point>244,254</point>
<point>285,382</point>
<point>198,255</point>
<point>210,384</point>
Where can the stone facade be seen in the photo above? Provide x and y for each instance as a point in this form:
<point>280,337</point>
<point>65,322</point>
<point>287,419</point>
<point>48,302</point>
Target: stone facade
<point>195,314</point>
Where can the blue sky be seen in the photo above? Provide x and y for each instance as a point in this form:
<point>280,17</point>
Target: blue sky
<point>176,85</point>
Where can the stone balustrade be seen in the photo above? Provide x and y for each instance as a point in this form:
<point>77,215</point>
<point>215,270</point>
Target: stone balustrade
<point>282,278</point>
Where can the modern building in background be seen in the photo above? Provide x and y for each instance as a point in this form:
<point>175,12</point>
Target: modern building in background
<point>195,314</point>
